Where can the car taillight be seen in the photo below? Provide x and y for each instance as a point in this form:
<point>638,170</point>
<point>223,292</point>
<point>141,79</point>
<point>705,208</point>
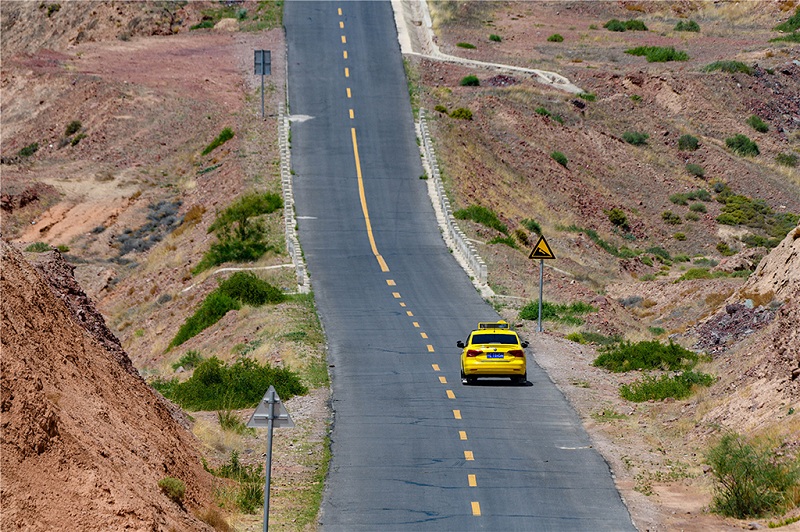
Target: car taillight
<point>517,353</point>
<point>474,352</point>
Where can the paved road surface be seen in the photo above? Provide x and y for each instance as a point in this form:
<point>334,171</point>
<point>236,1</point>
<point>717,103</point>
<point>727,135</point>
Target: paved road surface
<point>413,449</point>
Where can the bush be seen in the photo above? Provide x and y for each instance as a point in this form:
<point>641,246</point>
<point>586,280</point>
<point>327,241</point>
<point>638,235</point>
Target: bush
<point>636,138</point>
<point>555,38</point>
<point>189,360</point>
<point>614,25</point>
<point>250,290</point>
<point>757,124</point>
<point>440,109</point>
<point>679,236</point>
<point>742,210</point>
<point>635,25</point>
<point>217,386</point>
<point>495,38</point>
<point>76,139</point>
<point>532,226</point>
<point>461,113</point>
<point>173,488</point>
<point>627,356</point>
<point>786,159</point>
<point>483,216</point>
<point>229,421</point>
<point>697,207</point>
<point>470,81</point>
<point>560,158</point>
<point>618,25</point>
<point>466,45</point>
<point>725,249</point>
<point>671,218</point>
<point>617,217</point>
<point>679,199</point>
<point>567,314</point>
<point>507,240</point>
<point>222,138</point>
<point>695,169</point>
<point>687,25</point>
<point>657,389</point>
<point>205,24</point>
<point>588,96</point>
<point>38,247</point>
<point>742,145</point>
<point>522,236</point>
<point>792,37</point>
<point>752,479</point>
<point>658,54</point>
<point>213,308</point>
<point>73,127</point>
<point>730,67</point>
<point>790,25</point>
<point>251,479</point>
<point>28,150</point>
<point>688,143</point>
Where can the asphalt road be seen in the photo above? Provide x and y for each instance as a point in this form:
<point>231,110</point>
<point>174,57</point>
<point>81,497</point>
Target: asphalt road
<point>413,449</point>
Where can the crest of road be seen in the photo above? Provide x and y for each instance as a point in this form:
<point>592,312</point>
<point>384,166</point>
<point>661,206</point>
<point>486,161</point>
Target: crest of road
<point>413,449</point>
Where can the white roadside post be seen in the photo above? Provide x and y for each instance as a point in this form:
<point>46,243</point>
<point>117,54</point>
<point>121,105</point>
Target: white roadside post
<point>541,251</point>
<point>270,413</point>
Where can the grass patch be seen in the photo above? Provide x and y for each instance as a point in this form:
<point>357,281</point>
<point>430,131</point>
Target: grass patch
<point>752,478</point>
<point>647,355</point>
<point>658,54</point>
<point>462,113</point>
<point>729,67</point>
<point>626,25</point>
<point>38,247</point>
<point>560,313</point>
<point>470,81</point>
<point>656,331</point>
<point>792,37</point>
<point>250,290</point>
<point>756,123</point>
<point>224,136</point>
<point>652,388</point>
<point>266,15</point>
<point>28,150</point>
<point>251,479</point>
<point>687,25</point>
<point>466,45</point>
<point>191,359</point>
<point>173,488</point>
<point>556,37</point>
<point>792,24</point>
<point>588,96</point>
<point>495,38</point>
<point>544,112</point>
<point>635,138</point>
<point>695,170</point>
<point>217,386</point>
<point>786,159</point>
<point>585,337</point>
<point>507,240</point>
<point>483,216</point>
<point>688,143</point>
<point>230,421</point>
<point>560,158</point>
<point>738,209</point>
<point>532,226</point>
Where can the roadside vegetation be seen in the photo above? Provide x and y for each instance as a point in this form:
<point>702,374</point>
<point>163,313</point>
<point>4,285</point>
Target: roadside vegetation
<point>568,314</point>
<point>483,216</point>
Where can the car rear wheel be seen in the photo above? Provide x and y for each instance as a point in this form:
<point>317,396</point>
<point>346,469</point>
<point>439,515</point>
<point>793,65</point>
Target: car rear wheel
<point>521,379</point>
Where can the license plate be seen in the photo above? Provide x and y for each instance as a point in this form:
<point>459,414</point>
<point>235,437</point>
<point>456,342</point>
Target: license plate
<point>494,355</point>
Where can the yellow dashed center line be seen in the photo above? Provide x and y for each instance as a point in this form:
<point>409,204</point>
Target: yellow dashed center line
<point>396,295</point>
<point>430,348</point>
<point>347,75</point>
<point>423,335</point>
<point>344,54</point>
<point>457,414</point>
<point>340,11</point>
<point>468,456</point>
<point>352,114</point>
<point>349,94</point>
<point>402,305</point>
<point>443,380</point>
<point>416,324</point>
<point>450,394</point>
<point>409,313</point>
<point>473,482</point>
<point>391,282</point>
<point>362,195</point>
<point>435,367</point>
<point>476,508</point>
<point>462,435</point>
<point>341,24</point>
<point>344,39</point>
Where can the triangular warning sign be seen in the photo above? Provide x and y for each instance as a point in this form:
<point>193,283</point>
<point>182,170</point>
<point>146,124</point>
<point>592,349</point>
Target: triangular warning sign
<point>541,250</point>
<point>280,416</point>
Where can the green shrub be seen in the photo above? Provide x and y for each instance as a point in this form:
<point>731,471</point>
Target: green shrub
<point>617,217</point>
<point>495,38</point>
<point>742,210</point>
<point>213,308</point>
<point>522,236</point>
<point>594,237</point>
<point>440,109</point>
<point>635,98</point>
<point>466,45</point>
<point>792,37</point>
<point>730,67</point>
<point>697,207</point>
<point>786,159</point>
<point>627,25</point>
<point>679,236</point>
<point>189,360</point>
<point>224,136</point>
<point>635,25</point>
<point>52,8</point>
<point>562,313</point>
<point>681,258</point>
<point>38,247</point>
<point>695,169</point>
<point>556,38</point>
<point>679,199</point>
<point>658,54</point>
<point>687,25</point>
<point>696,273</point>
<point>250,290</point>
<point>588,96</point>
<point>790,25</point>
<point>636,138</point>
<point>756,123</point>
<point>483,216</point>
<point>462,113</point>
<point>470,81</point>
<point>76,139</point>
<point>204,24</point>
<point>173,488</point>
<point>231,422</point>
<point>560,158</point>
<point>656,331</point>
<point>627,356</point>
<point>532,226</point>
<point>742,145</point>
<point>671,218</point>
<point>753,478</point>
<point>28,150</point>
<point>73,127</point>
<point>250,497</point>
<point>506,240</point>
<point>251,479</point>
<point>688,143</point>
<point>660,253</point>
<point>725,249</point>
<point>614,25</point>
<point>652,388</point>
<point>699,194</point>
<point>217,386</point>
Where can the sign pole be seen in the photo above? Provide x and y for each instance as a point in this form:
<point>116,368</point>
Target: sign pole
<point>271,401</point>
<point>262,96</point>
<point>541,290</point>
<point>541,251</point>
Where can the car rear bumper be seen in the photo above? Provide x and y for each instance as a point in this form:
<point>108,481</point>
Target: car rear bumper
<point>497,369</point>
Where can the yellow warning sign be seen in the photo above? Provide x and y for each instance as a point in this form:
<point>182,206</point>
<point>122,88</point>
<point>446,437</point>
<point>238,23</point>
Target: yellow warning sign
<point>541,250</point>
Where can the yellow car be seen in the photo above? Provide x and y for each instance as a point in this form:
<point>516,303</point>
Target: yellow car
<point>493,350</point>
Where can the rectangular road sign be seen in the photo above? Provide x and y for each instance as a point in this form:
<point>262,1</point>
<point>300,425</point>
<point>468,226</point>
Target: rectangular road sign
<point>263,62</point>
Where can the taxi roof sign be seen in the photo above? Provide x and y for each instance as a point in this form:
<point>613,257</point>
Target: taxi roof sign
<point>492,325</point>
<point>541,250</point>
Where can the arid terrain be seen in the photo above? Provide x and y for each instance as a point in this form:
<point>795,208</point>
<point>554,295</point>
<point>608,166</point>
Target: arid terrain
<point>129,198</point>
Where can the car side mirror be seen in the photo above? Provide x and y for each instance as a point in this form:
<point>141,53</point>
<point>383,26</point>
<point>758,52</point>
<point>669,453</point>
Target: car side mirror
<point>524,344</point>
<point>459,344</point>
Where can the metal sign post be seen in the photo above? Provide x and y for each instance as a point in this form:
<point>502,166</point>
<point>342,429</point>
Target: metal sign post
<point>270,413</point>
<point>541,251</point>
<point>262,63</point>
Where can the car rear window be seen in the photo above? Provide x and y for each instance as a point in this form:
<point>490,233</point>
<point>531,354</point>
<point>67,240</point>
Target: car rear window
<point>494,338</point>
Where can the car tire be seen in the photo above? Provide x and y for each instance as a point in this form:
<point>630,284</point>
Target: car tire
<point>472,380</point>
<point>521,379</point>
